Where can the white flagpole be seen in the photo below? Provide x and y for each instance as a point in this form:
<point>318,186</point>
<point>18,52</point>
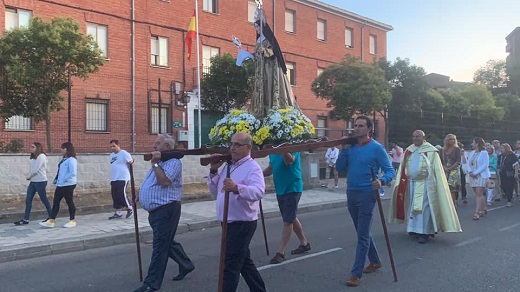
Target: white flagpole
<point>198,70</point>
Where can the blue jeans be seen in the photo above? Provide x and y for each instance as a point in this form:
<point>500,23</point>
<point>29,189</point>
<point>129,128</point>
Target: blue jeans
<point>32,189</point>
<point>361,206</point>
<point>164,221</point>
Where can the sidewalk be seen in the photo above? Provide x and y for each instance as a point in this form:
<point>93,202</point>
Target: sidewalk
<point>95,230</point>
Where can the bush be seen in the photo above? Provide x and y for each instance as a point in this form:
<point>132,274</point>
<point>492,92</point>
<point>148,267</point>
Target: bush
<point>15,146</point>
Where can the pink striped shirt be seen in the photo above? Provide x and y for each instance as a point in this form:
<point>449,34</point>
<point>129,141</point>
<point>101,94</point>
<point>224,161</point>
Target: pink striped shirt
<point>248,176</point>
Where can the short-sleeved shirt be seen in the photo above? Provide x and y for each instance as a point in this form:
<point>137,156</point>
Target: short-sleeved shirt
<point>119,165</point>
<point>287,178</point>
<point>153,195</point>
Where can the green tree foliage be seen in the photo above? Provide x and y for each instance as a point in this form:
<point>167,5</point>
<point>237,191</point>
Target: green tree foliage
<point>34,67</point>
<point>511,105</point>
<point>455,104</point>
<point>513,74</point>
<point>493,76</point>
<point>227,85</point>
<point>481,103</point>
<point>352,87</point>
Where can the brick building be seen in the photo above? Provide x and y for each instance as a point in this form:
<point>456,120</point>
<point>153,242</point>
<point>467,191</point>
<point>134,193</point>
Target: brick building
<point>143,41</point>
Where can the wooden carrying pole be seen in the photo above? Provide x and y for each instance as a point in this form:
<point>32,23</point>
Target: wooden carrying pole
<point>223,239</point>
<point>136,224</point>
<point>385,231</point>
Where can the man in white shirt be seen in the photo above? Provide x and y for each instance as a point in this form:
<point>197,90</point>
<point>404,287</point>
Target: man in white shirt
<point>330,158</point>
<point>119,177</point>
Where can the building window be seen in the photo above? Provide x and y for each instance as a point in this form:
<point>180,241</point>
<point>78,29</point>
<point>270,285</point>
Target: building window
<point>20,123</point>
<point>16,18</point>
<point>208,53</point>
<point>322,29</point>
<point>291,72</point>
<point>251,8</point>
<point>154,119</point>
<point>159,51</point>
<point>290,20</point>
<point>97,115</point>
<point>373,44</point>
<point>349,33</point>
<point>210,6</point>
<point>321,127</point>
<point>100,35</point>
<point>320,70</point>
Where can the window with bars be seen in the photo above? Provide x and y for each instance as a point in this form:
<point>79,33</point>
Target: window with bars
<point>159,50</point>
<point>321,126</point>
<point>291,72</point>
<point>97,115</point>
<point>251,8</point>
<point>19,123</point>
<point>155,121</point>
<point>16,18</point>
<point>322,29</point>
<point>210,6</point>
<point>349,34</point>
<point>373,44</point>
<point>290,18</point>
<point>100,34</point>
<point>208,53</point>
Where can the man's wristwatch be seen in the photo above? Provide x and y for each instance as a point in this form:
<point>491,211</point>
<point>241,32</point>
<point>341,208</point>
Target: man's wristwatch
<point>155,165</point>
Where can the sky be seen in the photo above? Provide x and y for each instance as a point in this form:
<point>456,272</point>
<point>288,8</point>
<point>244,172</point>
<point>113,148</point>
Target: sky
<point>448,37</point>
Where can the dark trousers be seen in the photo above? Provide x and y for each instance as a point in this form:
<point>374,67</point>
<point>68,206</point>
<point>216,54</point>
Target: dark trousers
<point>238,258</point>
<point>32,189</point>
<point>361,208</point>
<point>164,222</point>
<point>508,185</point>
<point>60,193</point>
<point>118,190</point>
<point>462,184</point>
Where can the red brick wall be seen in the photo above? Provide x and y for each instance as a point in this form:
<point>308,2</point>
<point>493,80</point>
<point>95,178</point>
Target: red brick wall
<point>170,20</point>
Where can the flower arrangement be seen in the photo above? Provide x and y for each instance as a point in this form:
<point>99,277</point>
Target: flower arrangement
<point>284,125</point>
<point>234,122</point>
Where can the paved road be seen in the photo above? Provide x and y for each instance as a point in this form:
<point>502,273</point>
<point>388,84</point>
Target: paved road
<point>483,258</point>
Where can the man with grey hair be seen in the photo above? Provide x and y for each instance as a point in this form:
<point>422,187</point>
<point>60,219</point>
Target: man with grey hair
<point>160,195</point>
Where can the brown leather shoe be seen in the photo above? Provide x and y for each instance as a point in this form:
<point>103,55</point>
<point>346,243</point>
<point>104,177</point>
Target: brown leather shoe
<point>371,268</point>
<point>353,281</point>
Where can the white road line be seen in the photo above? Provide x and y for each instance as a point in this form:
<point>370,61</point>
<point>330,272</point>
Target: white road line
<point>509,227</point>
<point>496,208</point>
<point>468,242</point>
<point>300,258</point>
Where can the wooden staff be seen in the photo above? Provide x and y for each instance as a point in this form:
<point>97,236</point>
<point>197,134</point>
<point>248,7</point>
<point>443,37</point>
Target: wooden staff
<point>224,234</point>
<point>263,227</point>
<point>382,215</point>
<point>136,224</point>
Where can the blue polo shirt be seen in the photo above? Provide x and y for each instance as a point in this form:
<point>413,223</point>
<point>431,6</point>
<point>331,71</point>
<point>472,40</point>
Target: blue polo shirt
<point>287,178</point>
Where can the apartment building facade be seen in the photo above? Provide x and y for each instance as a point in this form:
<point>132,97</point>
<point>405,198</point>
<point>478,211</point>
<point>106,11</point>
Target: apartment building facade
<point>147,85</point>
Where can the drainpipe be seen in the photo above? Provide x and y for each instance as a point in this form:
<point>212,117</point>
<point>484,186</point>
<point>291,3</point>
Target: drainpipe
<point>274,19</point>
<point>132,3</point>
<point>362,39</point>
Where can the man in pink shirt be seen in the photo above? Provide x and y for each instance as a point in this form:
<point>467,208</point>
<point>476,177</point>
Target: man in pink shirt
<point>246,186</point>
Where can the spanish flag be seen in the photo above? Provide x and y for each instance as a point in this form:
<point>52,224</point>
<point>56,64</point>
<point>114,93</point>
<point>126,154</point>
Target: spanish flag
<point>192,34</point>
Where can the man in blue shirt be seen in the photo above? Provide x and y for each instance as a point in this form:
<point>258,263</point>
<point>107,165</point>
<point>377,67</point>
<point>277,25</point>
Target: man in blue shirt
<point>360,160</point>
<point>160,195</point>
<point>288,184</point>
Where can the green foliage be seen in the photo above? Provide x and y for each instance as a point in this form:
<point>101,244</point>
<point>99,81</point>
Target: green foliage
<point>513,74</point>
<point>481,103</point>
<point>35,63</point>
<point>15,146</point>
<point>455,104</point>
<point>511,105</point>
<point>493,76</point>
<point>227,85</point>
<point>352,87</point>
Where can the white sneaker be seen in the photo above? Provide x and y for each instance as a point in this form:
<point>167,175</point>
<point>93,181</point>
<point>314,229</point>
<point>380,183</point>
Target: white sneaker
<point>47,223</point>
<point>70,224</point>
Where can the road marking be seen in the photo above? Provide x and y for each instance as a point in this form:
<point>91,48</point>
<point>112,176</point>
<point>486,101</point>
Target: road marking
<point>496,208</point>
<point>509,227</point>
<point>299,258</point>
<point>468,242</point>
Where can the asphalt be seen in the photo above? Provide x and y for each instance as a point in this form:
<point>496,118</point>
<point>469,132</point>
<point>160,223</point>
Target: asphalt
<point>95,230</point>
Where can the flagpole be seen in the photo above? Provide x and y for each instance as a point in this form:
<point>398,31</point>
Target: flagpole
<point>198,71</point>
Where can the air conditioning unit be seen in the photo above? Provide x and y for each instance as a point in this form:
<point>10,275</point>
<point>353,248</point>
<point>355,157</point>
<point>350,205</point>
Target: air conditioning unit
<point>182,136</point>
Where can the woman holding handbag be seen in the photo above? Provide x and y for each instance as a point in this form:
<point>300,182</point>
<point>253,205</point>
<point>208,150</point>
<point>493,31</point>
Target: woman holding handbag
<point>478,171</point>
<point>450,159</point>
<point>508,168</point>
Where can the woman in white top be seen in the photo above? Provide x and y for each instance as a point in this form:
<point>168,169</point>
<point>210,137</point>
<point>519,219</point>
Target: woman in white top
<point>38,177</point>
<point>478,172</point>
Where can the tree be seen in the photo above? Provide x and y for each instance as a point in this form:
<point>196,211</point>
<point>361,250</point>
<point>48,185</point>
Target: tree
<point>227,85</point>
<point>513,74</point>
<point>352,87</point>
<point>481,103</point>
<point>493,76</point>
<point>35,63</point>
<point>455,104</point>
<point>511,105</point>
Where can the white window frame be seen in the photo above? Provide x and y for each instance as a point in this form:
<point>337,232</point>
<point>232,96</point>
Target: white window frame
<point>96,115</point>
<point>349,37</point>
<point>373,44</point>
<point>208,52</point>
<point>99,33</point>
<point>319,71</point>
<point>154,118</point>
<point>321,26</point>
<point>19,123</point>
<point>20,17</point>
<point>210,6</point>
<point>290,21</point>
<point>251,8</point>
<point>321,126</point>
<point>291,72</point>
<point>159,51</point>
